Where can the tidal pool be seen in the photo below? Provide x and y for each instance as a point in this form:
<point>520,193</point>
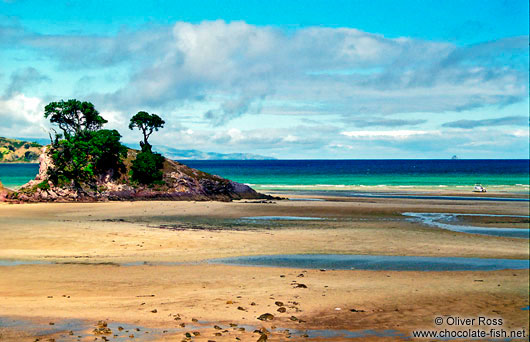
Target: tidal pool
<point>375,262</point>
<point>6,262</point>
<point>280,218</point>
<point>75,330</point>
<point>447,221</point>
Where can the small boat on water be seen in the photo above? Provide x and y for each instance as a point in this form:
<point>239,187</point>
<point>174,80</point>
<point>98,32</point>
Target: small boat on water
<point>479,188</point>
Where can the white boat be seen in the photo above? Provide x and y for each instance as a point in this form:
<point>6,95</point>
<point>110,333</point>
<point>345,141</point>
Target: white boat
<point>479,188</point>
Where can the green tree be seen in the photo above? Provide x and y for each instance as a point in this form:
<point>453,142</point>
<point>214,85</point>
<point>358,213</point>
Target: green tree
<point>87,151</point>
<point>81,160</point>
<point>74,117</point>
<point>146,167</point>
<point>106,151</point>
<point>147,123</point>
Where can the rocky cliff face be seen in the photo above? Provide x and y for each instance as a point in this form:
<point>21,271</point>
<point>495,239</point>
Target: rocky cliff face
<point>180,182</point>
<point>3,192</point>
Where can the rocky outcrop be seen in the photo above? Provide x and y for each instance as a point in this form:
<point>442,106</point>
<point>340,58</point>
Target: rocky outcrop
<point>180,182</point>
<point>3,192</point>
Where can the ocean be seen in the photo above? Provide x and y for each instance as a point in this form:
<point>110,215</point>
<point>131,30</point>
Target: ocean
<point>14,175</point>
<point>344,174</point>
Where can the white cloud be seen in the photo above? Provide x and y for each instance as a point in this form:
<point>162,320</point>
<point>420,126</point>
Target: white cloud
<point>224,70</point>
<point>21,116</point>
<point>396,134</point>
<point>340,146</point>
<point>248,67</point>
<point>520,133</point>
<point>290,138</point>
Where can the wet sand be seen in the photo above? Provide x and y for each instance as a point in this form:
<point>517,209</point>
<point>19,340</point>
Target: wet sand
<point>79,236</point>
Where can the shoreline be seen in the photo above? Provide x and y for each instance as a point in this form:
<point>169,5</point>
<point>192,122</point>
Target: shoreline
<point>499,190</point>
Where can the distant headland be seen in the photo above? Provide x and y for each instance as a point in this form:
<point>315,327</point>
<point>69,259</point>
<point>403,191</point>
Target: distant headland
<point>19,151</point>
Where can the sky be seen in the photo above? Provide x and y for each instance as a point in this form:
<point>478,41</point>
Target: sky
<point>286,79</point>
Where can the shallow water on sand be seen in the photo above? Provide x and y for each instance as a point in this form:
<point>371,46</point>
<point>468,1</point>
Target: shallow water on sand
<point>334,261</point>
<point>447,221</point>
<point>75,330</point>
<point>408,195</point>
<point>21,262</point>
<point>280,218</point>
<point>375,262</point>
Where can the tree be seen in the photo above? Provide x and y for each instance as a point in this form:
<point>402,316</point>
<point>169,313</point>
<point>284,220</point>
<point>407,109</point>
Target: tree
<point>74,117</point>
<point>83,157</point>
<point>87,151</point>
<point>147,123</point>
<point>146,167</point>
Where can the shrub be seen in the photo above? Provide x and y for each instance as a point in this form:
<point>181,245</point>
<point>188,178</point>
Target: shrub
<point>43,185</point>
<point>146,167</point>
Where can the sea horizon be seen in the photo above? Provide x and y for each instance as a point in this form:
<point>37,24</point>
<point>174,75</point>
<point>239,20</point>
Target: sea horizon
<point>344,174</point>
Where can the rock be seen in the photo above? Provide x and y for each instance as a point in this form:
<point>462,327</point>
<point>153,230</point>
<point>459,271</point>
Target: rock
<point>266,317</point>
<point>300,286</point>
<point>281,309</point>
<point>278,303</point>
<point>262,338</point>
<point>355,310</point>
<point>180,183</point>
<point>3,192</point>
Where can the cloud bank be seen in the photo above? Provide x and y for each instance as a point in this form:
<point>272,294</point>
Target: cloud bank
<point>225,71</point>
<point>504,121</point>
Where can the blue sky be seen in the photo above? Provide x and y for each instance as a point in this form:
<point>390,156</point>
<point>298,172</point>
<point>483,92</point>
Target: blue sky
<point>289,79</point>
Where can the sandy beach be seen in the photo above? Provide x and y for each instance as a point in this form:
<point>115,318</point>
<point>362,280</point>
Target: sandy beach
<point>93,269</point>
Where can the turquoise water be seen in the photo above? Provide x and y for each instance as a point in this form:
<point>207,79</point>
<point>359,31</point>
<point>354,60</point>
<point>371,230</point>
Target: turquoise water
<point>15,175</point>
<point>308,174</point>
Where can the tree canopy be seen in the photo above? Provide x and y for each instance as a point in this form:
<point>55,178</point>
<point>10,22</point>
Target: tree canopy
<point>145,169</point>
<point>86,151</point>
<point>147,123</point>
<point>74,117</point>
